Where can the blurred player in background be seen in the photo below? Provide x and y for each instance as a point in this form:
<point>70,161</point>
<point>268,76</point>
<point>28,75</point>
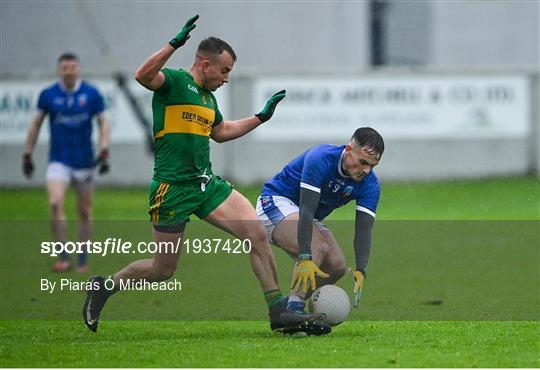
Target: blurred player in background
<point>71,104</point>
<point>186,116</point>
<point>293,204</point>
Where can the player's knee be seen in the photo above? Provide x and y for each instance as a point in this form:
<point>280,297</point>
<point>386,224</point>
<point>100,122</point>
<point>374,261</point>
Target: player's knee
<point>56,206</point>
<point>257,236</point>
<point>85,213</point>
<point>339,270</point>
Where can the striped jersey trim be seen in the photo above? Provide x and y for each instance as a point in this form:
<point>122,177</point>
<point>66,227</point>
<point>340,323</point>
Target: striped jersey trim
<point>364,209</point>
<point>162,190</point>
<point>309,187</point>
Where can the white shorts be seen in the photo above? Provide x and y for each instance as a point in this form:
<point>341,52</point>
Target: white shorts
<point>79,177</point>
<point>272,209</point>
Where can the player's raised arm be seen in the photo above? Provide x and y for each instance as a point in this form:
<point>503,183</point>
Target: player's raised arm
<point>31,138</point>
<point>305,269</point>
<point>149,73</point>
<point>362,248</point>
<point>230,130</point>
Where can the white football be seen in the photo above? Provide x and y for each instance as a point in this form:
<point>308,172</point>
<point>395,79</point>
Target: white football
<point>330,303</point>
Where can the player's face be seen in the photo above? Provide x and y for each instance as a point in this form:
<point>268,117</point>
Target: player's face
<point>359,161</point>
<point>216,71</point>
<point>69,71</point>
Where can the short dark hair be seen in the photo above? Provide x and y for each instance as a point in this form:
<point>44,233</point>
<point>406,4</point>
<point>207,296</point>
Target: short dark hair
<point>68,56</point>
<point>213,45</point>
<point>370,138</point>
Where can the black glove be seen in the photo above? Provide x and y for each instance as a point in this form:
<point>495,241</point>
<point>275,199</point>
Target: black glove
<point>28,165</point>
<point>103,162</point>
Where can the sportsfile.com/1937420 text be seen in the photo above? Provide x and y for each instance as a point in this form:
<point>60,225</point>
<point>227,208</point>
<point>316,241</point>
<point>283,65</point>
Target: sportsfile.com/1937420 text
<point>120,246</point>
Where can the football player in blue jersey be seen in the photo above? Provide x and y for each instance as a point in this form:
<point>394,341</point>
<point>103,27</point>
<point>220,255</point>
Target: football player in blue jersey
<point>71,104</point>
<point>294,203</point>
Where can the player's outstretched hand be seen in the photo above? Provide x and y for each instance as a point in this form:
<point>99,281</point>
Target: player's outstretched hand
<point>183,35</point>
<point>358,277</point>
<point>270,106</point>
<point>28,165</point>
<point>102,162</point>
<point>304,275</point>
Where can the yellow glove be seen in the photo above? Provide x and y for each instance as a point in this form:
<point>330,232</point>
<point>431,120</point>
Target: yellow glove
<point>359,278</point>
<point>304,272</point>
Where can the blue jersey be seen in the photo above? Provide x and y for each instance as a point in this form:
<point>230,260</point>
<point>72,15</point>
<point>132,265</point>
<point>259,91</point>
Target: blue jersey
<point>70,117</point>
<point>319,169</point>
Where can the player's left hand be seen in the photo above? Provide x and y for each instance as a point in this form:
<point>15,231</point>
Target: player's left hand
<point>304,273</point>
<point>359,278</point>
<point>270,107</point>
<point>183,35</point>
<point>103,162</point>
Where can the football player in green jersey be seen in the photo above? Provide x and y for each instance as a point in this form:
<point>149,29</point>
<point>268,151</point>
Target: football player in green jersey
<point>186,116</point>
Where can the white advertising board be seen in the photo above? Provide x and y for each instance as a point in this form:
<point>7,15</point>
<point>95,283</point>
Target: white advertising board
<point>18,100</point>
<point>422,106</point>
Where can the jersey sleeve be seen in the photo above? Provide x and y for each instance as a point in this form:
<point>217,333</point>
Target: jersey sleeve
<point>164,89</point>
<point>219,117</point>
<point>368,197</point>
<point>314,171</point>
<point>43,101</point>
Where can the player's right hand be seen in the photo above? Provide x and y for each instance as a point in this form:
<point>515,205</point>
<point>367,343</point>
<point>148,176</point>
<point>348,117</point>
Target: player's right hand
<point>183,35</point>
<point>304,275</point>
<point>28,165</point>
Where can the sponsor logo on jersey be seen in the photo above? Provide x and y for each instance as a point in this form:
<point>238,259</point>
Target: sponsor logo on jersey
<point>82,100</point>
<point>188,119</point>
<point>347,192</point>
<point>193,88</point>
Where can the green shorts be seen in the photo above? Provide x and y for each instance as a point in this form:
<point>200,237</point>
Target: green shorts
<point>171,205</point>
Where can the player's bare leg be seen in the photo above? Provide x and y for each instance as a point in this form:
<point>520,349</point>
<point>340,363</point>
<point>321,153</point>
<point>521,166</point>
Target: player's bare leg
<point>285,236</point>
<point>56,191</point>
<point>325,252</point>
<point>84,193</point>
<point>161,267</point>
<point>334,263</point>
<point>238,217</point>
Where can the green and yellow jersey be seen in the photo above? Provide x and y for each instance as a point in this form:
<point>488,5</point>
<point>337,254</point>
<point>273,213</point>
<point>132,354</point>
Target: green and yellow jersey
<point>184,115</point>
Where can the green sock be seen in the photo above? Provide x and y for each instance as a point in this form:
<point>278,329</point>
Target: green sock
<point>273,297</point>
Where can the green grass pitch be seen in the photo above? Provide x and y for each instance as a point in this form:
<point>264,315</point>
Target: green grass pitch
<point>454,281</point>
